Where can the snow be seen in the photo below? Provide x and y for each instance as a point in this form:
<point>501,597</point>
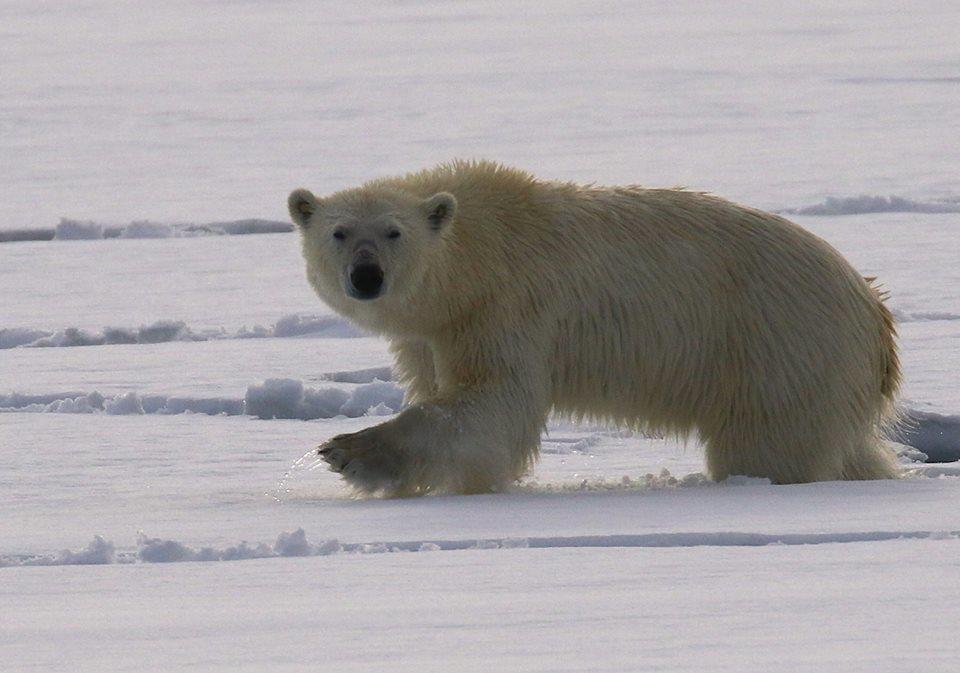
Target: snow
<point>849,607</point>
<point>73,230</point>
<point>163,331</point>
<point>124,405</point>
<point>11,337</point>
<point>126,114</point>
<point>859,205</point>
<point>938,436</point>
<point>130,282</point>
<point>76,230</point>
<point>146,229</point>
<point>295,543</point>
<point>287,398</point>
<point>300,325</point>
<point>274,398</point>
<point>865,203</point>
<point>214,481</point>
<point>163,508</point>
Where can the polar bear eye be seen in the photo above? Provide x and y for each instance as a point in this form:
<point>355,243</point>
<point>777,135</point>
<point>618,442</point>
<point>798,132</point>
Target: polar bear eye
<point>339,234</point>
<point>393,234</point>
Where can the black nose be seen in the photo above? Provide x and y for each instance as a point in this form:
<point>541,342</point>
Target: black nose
<point>366,281</point>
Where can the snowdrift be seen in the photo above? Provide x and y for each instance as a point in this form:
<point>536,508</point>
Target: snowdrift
<point>295,544</point>
<point>272,399</point>
<point>163,331</point>
<point>84,230</point>
<point>865,203</point>
<point>935,436</point>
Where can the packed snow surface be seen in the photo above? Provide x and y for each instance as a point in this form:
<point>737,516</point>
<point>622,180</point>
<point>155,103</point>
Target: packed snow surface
<point>173,330</point>
<point>859,205</point>
<point>164,382</point>
<point>81,230</point>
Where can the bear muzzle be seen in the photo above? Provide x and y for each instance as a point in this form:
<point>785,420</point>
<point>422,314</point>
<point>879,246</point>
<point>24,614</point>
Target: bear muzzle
<point>364,279</point>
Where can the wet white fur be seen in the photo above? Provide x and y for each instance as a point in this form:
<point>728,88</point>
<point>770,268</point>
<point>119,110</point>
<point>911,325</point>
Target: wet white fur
<point>662,310</point>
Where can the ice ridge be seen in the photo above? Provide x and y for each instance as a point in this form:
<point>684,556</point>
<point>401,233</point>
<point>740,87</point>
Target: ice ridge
<point>866,203</point>
<point>162,331</point>
<point>295,544</point>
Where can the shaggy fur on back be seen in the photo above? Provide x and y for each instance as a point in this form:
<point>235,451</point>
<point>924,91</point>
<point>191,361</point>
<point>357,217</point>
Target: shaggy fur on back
<point>661,310</point>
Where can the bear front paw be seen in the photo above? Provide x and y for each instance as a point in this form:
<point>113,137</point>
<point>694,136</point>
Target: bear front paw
<point>367,460</point>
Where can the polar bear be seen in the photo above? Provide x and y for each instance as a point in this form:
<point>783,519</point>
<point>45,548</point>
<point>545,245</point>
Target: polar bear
<point>507,298</point>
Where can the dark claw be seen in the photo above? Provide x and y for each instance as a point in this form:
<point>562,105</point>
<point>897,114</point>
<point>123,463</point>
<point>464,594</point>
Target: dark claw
<point>324,450</point>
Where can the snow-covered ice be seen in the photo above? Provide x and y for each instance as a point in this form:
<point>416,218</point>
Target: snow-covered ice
<point>163,381</point>
<point>850,607</point>
<point>162,331</point>
<point>865,203</point>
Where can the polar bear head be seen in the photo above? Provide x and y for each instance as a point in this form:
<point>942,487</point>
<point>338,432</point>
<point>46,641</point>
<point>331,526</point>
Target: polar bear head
<point>368,246</point>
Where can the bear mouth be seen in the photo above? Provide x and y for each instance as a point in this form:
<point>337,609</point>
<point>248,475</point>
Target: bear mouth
<point>364,281</point>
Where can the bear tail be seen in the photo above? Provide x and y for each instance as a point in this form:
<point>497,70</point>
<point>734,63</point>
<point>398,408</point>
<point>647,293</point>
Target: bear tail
<point>873,457</point>
<point>891,375</point>
<point>891,418</point>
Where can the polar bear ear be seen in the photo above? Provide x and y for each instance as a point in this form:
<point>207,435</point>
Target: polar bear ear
<point>302,204</point>
<point>439,210</point>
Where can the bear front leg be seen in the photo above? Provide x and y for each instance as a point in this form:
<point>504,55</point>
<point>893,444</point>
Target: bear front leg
<point>474,442</point>
<point>369,460</point>
<point>414,369</point>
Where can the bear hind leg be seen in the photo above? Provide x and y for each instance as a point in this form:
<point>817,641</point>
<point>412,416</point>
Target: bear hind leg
<point>784,457</point>
<point>822,454</point>
<point>871,458</point>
